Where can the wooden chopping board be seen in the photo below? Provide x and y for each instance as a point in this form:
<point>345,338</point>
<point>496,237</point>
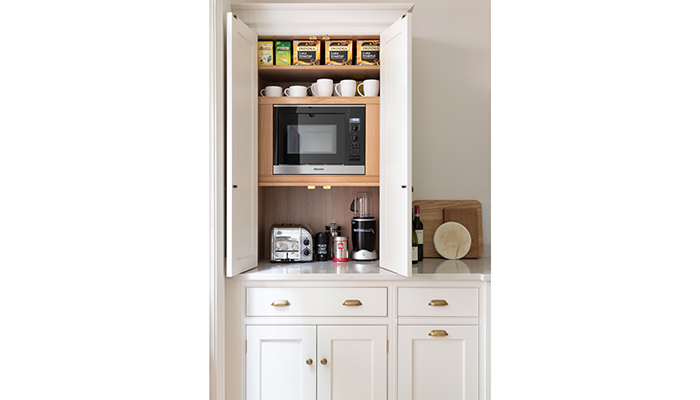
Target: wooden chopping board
<point>434,213</point>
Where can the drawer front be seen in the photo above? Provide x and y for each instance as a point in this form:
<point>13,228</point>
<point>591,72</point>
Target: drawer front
<point>446,302</point>
<point>316,302</point>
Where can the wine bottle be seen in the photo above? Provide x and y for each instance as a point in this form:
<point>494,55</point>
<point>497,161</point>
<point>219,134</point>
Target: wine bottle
<point>414,253</point>
<point>418,229</point>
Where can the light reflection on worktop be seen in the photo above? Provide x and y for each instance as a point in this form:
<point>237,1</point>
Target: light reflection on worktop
<point>429,268</point>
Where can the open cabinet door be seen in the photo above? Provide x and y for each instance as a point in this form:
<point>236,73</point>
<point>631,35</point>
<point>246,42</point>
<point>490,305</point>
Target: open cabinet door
<point>395,147</point>
<point>241,147</point>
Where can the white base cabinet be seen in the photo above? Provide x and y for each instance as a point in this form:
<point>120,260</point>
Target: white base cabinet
<point>316,362</point>
<point>438,367</point>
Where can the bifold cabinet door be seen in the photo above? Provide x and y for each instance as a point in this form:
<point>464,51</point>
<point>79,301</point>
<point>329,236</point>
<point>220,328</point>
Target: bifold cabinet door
<point>281,363</point>
<point>395,148</point>
<point>352,362</point>
<point>241,147</point>
<point>438,367</point>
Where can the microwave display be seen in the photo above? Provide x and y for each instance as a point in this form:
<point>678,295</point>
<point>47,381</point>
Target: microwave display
<point>319,140</point>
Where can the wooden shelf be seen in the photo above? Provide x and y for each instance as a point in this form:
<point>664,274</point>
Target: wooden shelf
<point>336,100</point>
<point>299,73</point>
<point>318,180</point>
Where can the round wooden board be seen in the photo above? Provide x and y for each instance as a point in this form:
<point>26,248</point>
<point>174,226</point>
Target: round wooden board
<point>452,240</point>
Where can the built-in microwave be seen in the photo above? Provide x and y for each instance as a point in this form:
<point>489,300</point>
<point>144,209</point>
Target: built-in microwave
<point>318,140</point>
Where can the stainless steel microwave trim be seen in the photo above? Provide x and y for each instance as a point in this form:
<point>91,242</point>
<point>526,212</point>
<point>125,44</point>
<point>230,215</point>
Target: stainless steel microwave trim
<point>318,169</point>
<point>317,105</point>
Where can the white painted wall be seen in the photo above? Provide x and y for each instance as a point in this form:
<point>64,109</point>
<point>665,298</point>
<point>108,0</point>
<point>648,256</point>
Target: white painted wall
<point>451,100</point>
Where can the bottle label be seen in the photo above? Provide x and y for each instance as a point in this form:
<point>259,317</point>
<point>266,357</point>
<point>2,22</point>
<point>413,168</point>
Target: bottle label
<point>419,233</point>
<point>414,253</point>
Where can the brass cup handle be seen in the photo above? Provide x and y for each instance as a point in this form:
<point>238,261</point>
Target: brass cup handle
<point>352,303</point>
<point>309,361</point>
<point>437,333</point>
<point>437,303</point>
<point>324,361</point>
<point>281,303</point>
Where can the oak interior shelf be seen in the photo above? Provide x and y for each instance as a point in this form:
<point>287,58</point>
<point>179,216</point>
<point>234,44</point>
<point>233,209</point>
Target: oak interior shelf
<point>288,73</point>
<point>336,100</point>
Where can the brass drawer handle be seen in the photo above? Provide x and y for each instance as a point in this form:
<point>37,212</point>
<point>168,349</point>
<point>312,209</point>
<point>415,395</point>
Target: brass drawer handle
<point>324,361</point>
<point>437,333</point>
<point>437,303</point>
<point>352,303</point>
<point>309,361</point>
<point>281,303</point>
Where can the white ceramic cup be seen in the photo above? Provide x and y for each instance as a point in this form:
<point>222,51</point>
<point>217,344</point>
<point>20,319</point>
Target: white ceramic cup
<point>348,87</point>
<point>296,91</point>
<point>271,91</point>
<point>322,87</point>
<point>370,88</point>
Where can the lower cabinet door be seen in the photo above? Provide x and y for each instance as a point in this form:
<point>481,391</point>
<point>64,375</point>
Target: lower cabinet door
<point>438,362</point>
<point>352,363</point>
<point>281,363</point>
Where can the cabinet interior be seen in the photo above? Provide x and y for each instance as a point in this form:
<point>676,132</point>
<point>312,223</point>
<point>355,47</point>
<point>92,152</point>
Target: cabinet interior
<point>315,208</point>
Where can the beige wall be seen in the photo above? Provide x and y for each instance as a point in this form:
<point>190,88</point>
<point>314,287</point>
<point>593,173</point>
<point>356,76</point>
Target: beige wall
<point>451,100</point>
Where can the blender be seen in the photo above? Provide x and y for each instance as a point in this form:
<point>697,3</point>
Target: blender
<point>364,228</point>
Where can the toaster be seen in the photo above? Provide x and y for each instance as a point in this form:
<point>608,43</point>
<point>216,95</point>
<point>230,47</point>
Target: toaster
<point>291,243</point>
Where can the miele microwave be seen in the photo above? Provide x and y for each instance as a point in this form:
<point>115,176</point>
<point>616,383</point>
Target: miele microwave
<point>318,140</point>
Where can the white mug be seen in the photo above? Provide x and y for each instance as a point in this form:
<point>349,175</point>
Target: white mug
<point>348,87</point>
<point>322,87</point>
<point>371,88</point>
<point>296,91</point>
<point>272,91</point>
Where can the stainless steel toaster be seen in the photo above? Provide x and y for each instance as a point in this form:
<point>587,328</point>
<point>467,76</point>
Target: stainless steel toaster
<point>291,243</point>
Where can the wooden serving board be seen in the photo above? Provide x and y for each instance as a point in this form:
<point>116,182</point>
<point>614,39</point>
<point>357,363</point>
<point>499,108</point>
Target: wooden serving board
<point>434,213</point>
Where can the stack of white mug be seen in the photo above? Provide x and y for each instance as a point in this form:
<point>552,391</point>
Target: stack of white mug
<point>325,88</point>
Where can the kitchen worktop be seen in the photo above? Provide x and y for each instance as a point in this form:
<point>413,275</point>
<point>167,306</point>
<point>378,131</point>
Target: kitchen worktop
<point>478,269</point>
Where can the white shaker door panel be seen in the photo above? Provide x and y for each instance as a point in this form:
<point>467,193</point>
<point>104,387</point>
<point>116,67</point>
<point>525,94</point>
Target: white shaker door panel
<point>241,147</point>
<point>395,148</point>
<point>356,363</point>
<point>445,368</point>
<point>276,367</point>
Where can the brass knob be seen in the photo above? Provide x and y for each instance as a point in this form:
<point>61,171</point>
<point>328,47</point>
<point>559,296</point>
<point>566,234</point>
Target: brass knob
<point>309,361</point>
<point>324,361</point>
<point>352,303</point>
<point>437,333</point>
<point>437,303</point>
<point>281,303</point>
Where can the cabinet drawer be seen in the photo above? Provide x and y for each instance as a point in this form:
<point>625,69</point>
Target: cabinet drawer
<point>316,302</point>
<point>446,302</point>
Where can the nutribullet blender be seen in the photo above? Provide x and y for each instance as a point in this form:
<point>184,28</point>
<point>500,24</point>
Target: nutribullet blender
<point>364,228</point>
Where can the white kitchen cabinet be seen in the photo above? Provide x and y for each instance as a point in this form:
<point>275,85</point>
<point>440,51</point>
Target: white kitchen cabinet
<point>444,366</point>
<point>316,362</point>
<point>245,24</point>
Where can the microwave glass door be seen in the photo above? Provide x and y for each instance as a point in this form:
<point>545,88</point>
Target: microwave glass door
<point>310,138</point>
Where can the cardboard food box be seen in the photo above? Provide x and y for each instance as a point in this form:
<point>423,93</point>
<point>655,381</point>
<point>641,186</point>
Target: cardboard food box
<point>368,52</point>
<point>265,52</point>
<point>306,52</point>
<point>338,52</point>
<point>283,53</point>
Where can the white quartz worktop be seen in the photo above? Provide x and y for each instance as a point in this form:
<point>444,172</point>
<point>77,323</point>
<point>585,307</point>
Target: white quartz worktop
<point>478,269</point>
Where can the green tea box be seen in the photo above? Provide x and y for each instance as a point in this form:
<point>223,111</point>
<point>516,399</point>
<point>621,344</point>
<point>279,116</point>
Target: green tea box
<point>283,53</point>
<point>264,52</point>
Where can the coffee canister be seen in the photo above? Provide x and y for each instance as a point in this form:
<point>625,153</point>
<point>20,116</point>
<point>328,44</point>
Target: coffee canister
<point>322,246</point>
<point>340,249</point>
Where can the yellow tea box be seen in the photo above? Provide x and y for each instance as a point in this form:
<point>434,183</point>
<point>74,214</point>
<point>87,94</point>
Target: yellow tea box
<point>338,52</point>
<point>306,52</point>
<point>265,53</point>
<point>367,52</point>
<point>283,53</point>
